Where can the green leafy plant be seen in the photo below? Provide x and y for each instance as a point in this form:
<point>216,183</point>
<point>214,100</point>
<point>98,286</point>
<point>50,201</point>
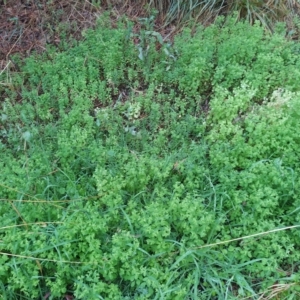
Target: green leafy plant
<point>122,179</point>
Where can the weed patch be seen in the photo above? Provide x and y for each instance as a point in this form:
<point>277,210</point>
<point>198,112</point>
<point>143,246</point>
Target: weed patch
<point>153,171</point>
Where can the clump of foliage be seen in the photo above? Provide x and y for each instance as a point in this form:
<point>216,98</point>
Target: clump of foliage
<point>122,163</point>
<point>206,11</point>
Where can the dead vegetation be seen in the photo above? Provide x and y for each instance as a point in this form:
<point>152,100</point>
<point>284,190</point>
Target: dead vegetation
<point>27,26</point>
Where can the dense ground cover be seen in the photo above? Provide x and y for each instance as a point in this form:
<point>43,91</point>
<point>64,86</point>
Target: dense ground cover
<point>125,163</point>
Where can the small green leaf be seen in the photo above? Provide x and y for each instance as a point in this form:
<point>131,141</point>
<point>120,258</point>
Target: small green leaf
<point>26,136</point>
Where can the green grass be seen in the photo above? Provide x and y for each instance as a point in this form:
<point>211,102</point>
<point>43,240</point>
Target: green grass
<point>129,172</point>
<point>205,11</point>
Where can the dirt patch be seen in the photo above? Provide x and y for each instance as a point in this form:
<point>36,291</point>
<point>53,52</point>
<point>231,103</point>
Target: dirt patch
<point>30,25</point>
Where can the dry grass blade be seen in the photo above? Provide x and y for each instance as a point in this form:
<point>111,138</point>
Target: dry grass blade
<point>5,68</point>
<point>47,260</point>
<point>275,290</point>
<point>248,236</point>
<point>42,224</point>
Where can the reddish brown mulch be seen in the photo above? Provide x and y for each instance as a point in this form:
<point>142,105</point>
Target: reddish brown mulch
<point>29,25</point>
